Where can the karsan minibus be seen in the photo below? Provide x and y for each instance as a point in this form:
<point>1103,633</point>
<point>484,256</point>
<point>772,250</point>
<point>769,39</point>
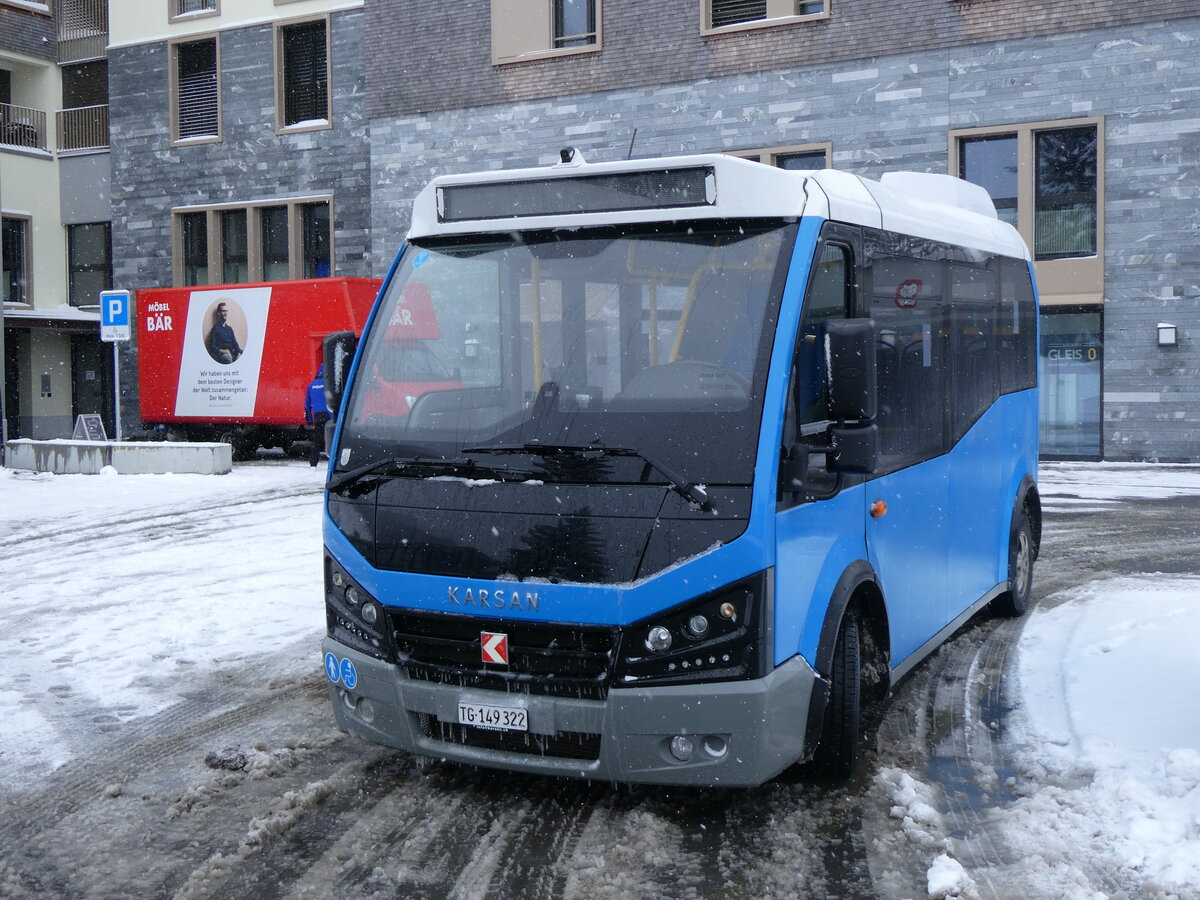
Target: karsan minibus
<point>725,450</point>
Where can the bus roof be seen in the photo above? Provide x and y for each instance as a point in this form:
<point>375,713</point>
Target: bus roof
<point>578,194</point>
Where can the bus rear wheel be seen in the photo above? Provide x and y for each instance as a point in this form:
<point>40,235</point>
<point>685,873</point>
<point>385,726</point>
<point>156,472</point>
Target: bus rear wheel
<point>837,754</point>
<point>1021,554</point>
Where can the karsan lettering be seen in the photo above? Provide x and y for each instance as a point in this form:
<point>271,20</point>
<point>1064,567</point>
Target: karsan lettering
<point>497,599</point>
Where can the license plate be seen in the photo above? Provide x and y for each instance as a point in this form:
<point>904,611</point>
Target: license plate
<point>495,718</point>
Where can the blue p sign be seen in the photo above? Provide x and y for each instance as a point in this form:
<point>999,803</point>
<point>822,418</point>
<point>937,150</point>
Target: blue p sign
<point>114,315</point>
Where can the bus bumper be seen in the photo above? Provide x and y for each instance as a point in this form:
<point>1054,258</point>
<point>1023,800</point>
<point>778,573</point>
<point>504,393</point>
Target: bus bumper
<point>741,733</point>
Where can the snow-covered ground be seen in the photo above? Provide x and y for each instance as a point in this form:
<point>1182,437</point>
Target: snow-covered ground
<point>127,616</point>
<point>1106,729</point>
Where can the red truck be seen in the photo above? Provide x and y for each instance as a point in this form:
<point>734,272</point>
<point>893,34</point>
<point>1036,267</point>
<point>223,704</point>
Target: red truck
<point>232,362</point>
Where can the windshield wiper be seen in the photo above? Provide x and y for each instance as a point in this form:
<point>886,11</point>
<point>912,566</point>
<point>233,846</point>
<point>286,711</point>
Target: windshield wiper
<point>458,465</point>
<point>690,491</point>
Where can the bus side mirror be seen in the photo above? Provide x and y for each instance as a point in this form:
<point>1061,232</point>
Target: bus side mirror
<point>855,449</point>
<point>337,351</point>
<point>850,349</point>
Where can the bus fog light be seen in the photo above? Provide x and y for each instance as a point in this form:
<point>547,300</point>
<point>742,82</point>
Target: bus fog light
<point>338,578</point>
<point>349,700</point>
<point>370,613</point>
<point>682,748</point>
<point>352,596</point>
<point>716,746</point>
<point>697,626</point>
<point>366,710</point>
<point>658,640</point>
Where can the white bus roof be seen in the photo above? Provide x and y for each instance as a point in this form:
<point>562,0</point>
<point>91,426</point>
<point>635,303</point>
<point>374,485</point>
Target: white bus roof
<point>578,194</point>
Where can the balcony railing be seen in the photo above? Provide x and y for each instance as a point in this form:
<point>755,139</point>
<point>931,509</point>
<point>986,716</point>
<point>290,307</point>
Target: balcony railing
<point>23,127</point>
<point>83,128</point>
<point>82,30</point>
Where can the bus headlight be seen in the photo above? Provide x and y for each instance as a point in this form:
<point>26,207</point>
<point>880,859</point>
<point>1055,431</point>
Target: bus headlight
<point>352,616</point>
<point>719,637</point>
<point>658,640</point>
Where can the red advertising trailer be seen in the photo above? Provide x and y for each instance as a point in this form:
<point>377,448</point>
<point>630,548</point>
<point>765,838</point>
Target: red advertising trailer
<point>233,362</point>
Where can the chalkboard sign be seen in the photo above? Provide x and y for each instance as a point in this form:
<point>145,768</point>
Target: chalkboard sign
<point>89,428</point>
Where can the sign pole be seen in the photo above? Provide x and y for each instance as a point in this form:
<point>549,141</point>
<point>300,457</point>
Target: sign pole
<point>116,345</point>
<point>115,316</point>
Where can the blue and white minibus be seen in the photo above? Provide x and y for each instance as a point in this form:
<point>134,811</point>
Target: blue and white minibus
<point>716,452</point>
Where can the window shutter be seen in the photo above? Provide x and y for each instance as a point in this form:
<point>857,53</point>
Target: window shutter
<point>197,100</point>
<point>731,12</point>
<point>305,74</point>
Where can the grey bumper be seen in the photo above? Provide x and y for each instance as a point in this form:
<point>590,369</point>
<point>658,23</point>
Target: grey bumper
<point>743,732</point>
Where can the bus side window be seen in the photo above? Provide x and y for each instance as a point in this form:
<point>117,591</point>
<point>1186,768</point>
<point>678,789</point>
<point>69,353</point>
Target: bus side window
<point>830,290</point>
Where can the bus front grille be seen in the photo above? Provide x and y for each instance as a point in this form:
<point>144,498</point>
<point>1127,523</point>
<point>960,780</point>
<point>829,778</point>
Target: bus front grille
<point>544,658</point>
<point>563,744</point>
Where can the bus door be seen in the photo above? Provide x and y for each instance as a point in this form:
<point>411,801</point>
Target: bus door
<point>907,502</point>
<point>818,530</point>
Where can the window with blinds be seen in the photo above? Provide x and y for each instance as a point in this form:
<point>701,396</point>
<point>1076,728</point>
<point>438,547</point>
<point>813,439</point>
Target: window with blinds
<point>197,93</point>
<point>723,13</point>
<point>305,73</point>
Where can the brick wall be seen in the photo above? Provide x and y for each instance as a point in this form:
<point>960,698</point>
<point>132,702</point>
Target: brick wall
<point>432,56</point>
<point>24,31</point>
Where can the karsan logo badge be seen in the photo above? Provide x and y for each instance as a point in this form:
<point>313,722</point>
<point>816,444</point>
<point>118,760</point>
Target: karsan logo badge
<point>494,647</point>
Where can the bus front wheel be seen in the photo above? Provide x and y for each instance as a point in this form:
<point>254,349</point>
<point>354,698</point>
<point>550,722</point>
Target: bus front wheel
<point>837,754</point>
<point>1021,554</point>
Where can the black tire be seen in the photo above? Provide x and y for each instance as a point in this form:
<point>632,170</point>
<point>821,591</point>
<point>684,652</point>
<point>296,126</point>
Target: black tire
<point>837,754</point>
<point>1021,554</point>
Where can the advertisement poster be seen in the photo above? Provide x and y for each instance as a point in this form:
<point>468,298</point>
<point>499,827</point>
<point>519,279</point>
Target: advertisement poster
<point>222,352</point>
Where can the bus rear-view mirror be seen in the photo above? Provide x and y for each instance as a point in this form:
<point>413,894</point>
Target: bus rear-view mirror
<point>337,353</point>
<point>850,349</point>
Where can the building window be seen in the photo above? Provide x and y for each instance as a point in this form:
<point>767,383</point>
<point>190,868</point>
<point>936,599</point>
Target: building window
<point>991,163</point>
<point>574,23</point>
<point>530,29</point>
<point>1046,179</point>
<point>14,259</point>
<point>801,157</point>
<point>271,240</point>
<point>1065,193</point>
<point>193,228</point>
<point>720,14</point>
<point>89,262</point>
<point>1070,375</point>
<point>273,226</point>
<point>196,91</point>
<point>303,79</point>
<point>193,9</point>
<point>315,240</point>
<point>235,247</point>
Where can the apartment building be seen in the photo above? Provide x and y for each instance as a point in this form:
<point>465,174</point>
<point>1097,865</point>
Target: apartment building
<point>55,253</point>
<point>1081,117</point>
<point>240,145</point>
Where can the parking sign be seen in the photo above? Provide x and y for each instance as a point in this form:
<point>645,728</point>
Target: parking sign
<point>115,315</point>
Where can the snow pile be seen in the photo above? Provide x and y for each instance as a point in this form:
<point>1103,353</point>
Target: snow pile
<point>1109,725</point>
<point>914,807</point>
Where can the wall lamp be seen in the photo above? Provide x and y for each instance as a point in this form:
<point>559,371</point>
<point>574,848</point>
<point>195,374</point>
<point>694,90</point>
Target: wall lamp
<point>1167,335</point>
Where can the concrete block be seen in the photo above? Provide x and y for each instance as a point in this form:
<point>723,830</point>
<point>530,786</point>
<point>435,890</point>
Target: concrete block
<point>64,457</point>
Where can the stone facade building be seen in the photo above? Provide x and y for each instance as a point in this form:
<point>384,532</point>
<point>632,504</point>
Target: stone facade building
<point>1082,117</point>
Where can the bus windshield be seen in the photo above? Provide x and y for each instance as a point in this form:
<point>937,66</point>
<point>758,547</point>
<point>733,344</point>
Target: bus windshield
<point>647,340</point>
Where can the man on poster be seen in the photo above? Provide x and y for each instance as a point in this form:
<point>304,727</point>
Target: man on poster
<point>221,341</point>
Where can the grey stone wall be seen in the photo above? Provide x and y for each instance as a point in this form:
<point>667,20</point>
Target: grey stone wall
<point>893,112</point>
<point>250,163</point>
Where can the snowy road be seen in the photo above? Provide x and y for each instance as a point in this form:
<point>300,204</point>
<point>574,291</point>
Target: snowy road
<point>166,729</point>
